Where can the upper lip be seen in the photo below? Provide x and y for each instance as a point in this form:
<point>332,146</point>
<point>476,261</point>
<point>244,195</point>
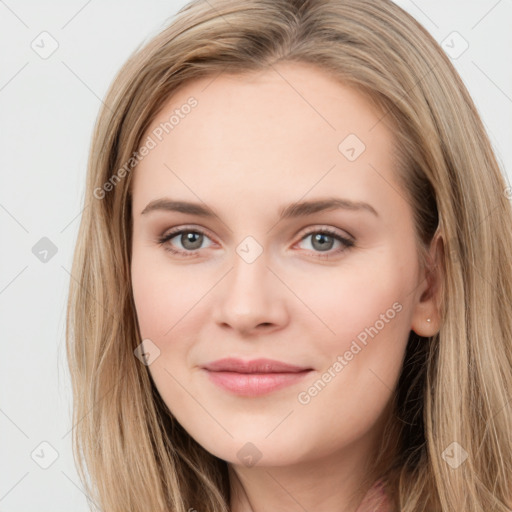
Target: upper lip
<point>263,365</point>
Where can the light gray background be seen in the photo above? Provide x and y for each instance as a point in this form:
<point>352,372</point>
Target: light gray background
<point>48,107</point>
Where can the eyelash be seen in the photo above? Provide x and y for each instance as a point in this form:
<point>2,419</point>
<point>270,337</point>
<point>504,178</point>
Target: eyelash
<point>347,243</point>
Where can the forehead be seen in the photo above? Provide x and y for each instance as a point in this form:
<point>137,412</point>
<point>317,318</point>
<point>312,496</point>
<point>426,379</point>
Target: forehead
<point>290,128</point>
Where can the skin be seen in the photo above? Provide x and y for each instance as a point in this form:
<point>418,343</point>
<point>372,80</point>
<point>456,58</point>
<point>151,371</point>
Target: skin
<point>255,143</point>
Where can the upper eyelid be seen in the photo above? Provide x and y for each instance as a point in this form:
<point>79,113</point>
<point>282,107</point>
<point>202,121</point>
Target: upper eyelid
<point>179,229</point>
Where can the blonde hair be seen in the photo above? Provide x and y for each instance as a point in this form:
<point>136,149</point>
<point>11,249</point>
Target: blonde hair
<point>455,387</point>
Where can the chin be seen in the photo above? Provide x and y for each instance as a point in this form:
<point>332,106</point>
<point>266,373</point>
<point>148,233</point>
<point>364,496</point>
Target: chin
<point>254,450</point>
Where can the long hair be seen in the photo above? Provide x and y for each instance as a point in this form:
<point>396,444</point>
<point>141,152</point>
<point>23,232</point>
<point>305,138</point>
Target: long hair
<point>453,399</point>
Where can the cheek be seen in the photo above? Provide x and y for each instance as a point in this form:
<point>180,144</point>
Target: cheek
<point>362,358</point>
<point>368,313</point>
<point>162,297</point>
<point>163,303</point>
<point>152,301</point>
<point>358,302</point>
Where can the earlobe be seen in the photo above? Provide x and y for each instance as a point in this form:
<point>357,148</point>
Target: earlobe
<point>425,327</point>
<point>426,318</point>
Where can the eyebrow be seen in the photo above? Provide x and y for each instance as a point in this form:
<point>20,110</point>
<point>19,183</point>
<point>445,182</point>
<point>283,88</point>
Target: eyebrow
<point>299,209</point>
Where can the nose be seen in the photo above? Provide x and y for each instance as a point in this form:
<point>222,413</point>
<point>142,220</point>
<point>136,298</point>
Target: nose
<point>251,299</point>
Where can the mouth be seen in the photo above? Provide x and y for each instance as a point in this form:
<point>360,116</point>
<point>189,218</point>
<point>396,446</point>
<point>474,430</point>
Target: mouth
<point>254,378</point>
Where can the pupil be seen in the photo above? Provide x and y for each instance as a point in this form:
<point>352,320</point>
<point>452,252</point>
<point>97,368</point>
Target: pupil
<point>320,237</point>
<point>189,238</point>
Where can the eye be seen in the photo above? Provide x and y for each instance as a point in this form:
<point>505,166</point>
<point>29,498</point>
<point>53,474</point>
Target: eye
<point>323,240</point>
<point>191,241</point>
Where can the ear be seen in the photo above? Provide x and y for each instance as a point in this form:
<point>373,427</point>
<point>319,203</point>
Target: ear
<point>428,294</point>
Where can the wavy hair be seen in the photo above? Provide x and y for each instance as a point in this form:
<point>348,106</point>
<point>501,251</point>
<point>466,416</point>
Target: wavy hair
<point>455,387</point>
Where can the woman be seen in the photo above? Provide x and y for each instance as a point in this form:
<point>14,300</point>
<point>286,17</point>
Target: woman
<point>293,283</point>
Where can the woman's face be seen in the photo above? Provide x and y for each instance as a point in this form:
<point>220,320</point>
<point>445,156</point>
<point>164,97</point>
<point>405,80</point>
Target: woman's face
<point>233,162</point>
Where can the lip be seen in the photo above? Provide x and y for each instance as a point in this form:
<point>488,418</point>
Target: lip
<point>255,377</point>
<point>263,365</point>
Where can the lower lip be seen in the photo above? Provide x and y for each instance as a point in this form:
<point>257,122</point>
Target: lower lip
<point>254,384</point>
